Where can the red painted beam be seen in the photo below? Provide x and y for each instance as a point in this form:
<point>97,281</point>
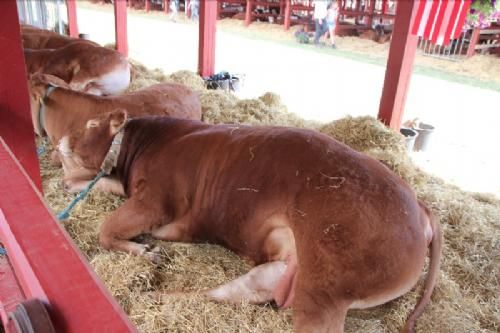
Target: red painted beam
<point>147,5</point>
<point>399,65</point>
<point>206,43</point>
<point>188,11</point>
<point>288,14</point>
<point>248,12</point>
<point>121,26</point>
<point>16,127</point>
<point>36,242</point>
<point>471,50</point>
<point>166,6</point>
<point>72,21</point>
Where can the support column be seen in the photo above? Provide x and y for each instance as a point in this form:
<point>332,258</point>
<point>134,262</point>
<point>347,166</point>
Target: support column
<point>474,38</point>
<point>166,6</point>
<point>72,21</point>
<point>399,65</point>
<point>147,5</point>
<point>206,43</point>
<point>248,12</point>
<point>288,14</point>
<point>16,126</point>
<point>121,26</point>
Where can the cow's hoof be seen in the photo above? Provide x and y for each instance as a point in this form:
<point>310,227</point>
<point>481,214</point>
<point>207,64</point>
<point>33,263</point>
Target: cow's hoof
<point>153,255</point>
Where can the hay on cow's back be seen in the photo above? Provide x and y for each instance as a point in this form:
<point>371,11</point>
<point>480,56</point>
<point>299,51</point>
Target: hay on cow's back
<point>465,299</point>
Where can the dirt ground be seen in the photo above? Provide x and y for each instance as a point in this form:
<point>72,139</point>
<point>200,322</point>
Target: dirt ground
<point>481,67</point>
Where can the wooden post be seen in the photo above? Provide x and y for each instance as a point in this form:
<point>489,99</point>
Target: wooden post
<point>288,13</point>
<point>16,126</point>
<point>248,13</point>
<point>474,38</point>
<point>72,21</point>
<point>206,44</point>
<point>166,6</point>
<point>147,5</point>
<point>121,27</point>
<point>399,65</point>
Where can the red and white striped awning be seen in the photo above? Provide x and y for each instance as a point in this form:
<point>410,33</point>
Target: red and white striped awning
<point>440,21</point>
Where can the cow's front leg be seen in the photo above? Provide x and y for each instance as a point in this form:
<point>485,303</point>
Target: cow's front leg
<point>132,219</point>
<point>176,231</point>
<point>257,286</point>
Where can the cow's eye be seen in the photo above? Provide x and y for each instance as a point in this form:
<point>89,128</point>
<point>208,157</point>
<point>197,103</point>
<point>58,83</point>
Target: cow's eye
<point>92,123</point>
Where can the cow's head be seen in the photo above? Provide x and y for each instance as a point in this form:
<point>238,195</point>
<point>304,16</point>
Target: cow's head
<point>38,87</point>
<point>83,152</point>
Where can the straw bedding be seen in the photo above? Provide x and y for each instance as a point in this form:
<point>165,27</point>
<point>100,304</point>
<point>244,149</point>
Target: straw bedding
<point>465,300</point>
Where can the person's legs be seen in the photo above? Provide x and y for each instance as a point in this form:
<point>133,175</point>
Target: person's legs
<point>318,31</point>
<point>332,34</point>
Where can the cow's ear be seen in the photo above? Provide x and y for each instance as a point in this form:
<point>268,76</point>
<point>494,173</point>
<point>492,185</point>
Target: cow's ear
<point>117,120</point>
<point>49,79</point>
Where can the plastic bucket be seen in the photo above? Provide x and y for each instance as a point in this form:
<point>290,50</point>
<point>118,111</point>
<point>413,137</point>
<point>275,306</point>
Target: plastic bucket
<point>424,135</point>
<point>410,136</point>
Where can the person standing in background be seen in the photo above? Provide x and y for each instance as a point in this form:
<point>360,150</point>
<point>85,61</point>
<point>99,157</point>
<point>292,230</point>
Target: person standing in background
<point>320,12</point>
<point>331,21</point>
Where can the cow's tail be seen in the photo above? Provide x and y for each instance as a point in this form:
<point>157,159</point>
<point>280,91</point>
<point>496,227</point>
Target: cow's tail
<point>432,276</point>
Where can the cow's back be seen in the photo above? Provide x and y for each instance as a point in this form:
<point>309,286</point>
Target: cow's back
<point>246,175</point>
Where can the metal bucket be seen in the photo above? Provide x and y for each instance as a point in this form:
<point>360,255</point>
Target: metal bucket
<point>410,136</point>
<point>424,135</point>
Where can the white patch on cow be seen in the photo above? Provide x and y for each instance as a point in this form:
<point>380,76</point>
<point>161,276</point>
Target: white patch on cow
<point>64,147</point>
<point>256,286</point>
<point>114,82</point>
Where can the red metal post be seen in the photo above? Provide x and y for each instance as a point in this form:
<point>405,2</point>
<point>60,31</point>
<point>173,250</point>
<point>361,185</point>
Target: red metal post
<point>474,38</point>
<point>288,14</point>
<point>206,44</point>
<point>121,26</point>
<point>399,65</point>
<point>147,5</point>
<point>72,21</point>
<point>248,12</point>
<point>16,127</point>
<point>188,11</point>
<point>371,10</point>
<point>166,6</point>
<point>47,262</point>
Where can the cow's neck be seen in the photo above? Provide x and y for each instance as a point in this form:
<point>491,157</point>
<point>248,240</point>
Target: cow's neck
<point>36,59</point>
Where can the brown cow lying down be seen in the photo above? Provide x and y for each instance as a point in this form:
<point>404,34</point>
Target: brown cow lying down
<point>34,38</point>
<point>83,66</point>
<point>329,229</point>
<point>57,112</point>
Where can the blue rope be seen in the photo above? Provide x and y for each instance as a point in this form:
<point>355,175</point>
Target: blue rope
<point>65,213</point>
<point>3,252</point>
<point>41,150</point>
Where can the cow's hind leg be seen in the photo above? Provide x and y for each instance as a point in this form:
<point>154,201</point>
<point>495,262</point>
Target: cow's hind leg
<point>132,219</point>
<point>256,286</point>
<point>313,314</point>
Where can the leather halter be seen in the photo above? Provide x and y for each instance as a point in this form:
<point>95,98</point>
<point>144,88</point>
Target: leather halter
<point>111,159</point>
<point>41,110</point>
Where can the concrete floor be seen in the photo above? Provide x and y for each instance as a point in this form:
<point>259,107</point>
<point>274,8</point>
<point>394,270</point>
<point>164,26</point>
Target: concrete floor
<point>464,148</point>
